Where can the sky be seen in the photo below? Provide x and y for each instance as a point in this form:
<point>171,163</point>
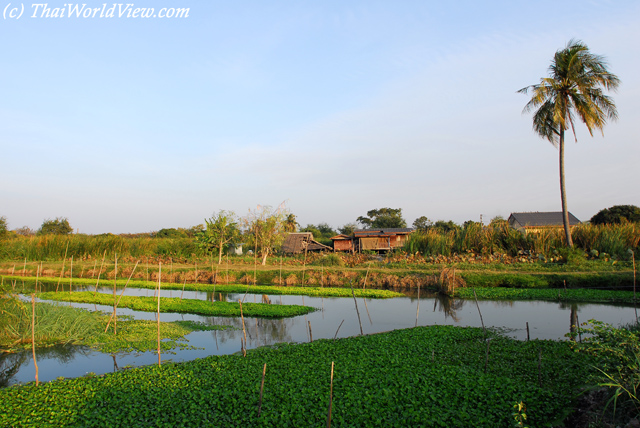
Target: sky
<point>332,108</point>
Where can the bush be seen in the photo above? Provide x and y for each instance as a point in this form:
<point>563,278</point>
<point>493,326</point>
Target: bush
<point>58,226</point>
<point>329,260</point>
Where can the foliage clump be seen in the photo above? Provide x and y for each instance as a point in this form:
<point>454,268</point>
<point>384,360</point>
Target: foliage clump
<point>617,214</point>
<point>57,226</point>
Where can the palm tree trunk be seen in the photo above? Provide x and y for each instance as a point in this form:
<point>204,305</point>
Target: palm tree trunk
<point>563,193</point>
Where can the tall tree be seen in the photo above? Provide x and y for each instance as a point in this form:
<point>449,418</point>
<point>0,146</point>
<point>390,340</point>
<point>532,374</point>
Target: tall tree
<point>574,89</point>
<point>266,229</point>
<point>384,218</point>
<point>222,229</point>
<point>617,214</point>
<point>58,226</point>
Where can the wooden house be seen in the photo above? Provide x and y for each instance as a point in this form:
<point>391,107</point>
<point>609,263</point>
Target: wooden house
<point>343,242</point>
<point>299,242</point>
<point>539,221</point>
<point>375,239</point>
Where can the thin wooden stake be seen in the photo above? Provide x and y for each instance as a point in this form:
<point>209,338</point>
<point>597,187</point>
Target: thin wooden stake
<point>159,276</point>
<point>264,371</point>
<point>578,327</point>
<point>418,308</point>
<point>478,306</point>
<point>356,303</point>
<point>121,294</point>
<point>37,272</point>
<point>527,331</point>
<point>71,275</point>
<point>115,318</point>
<point>330,398</point>
<point>244,331</point>
<point>100,271</point>
<point>365,277</point>
<point>63,262</point>
<point>310,333</point>
<point>33,334</point>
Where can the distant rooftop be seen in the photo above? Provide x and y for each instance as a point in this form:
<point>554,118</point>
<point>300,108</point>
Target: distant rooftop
<point>553,218</point>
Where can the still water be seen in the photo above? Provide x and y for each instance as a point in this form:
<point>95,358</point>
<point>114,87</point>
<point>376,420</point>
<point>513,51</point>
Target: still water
<point>334,317</point>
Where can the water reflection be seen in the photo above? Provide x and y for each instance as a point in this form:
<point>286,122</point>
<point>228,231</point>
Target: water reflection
<point>448,305</point>
<point>334,317</point>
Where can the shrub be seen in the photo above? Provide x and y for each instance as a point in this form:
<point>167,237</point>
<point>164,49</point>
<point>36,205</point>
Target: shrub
<point>58,226</point>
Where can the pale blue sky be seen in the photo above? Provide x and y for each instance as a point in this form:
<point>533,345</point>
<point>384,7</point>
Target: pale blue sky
<point>336,107</point>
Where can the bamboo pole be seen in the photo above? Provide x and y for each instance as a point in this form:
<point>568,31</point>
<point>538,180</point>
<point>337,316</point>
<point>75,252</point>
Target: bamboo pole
<point>63,262</point>
<point>37,281</point>
<point>122,294</point>
<point>159,277</point>
<point>365,277</point>
<point>356,303</point>
<point>33,334</point>
<point>264,371</point>
<point>336,335</point>
<point>418,308</point>
<point>310,332</point>
<point>183,284</point>
<point>527,331</point>
<point>115,318</point>
<point>244,331</point>
<point>100,271</point>
<point>71,275</point>
<point>478,306</point>
<point>330,397</point>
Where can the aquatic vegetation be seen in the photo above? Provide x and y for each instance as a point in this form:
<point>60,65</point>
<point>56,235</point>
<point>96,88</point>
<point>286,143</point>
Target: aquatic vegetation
<point>60,325</point>
<point>547,294</point>
<point>185,306</point>
<point>224,288</point>
<point>428,376</point>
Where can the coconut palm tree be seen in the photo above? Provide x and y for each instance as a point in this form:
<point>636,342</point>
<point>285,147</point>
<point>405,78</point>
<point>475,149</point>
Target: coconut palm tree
<point>573,90</point>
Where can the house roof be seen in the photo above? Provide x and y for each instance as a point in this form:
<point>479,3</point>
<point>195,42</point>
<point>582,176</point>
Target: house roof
<point>383,232</point>
<point>542,219</point>
<point>297,242</point>
<point>340,237</point>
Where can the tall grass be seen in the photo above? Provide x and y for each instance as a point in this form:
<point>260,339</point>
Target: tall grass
<point>616,240</point>
<point>53,247</point>
<point>54,324</point>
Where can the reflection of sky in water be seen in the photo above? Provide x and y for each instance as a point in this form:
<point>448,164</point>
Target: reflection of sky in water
<point>547,320</point>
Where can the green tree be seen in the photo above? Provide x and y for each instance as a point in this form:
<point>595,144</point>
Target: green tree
<point>347,229</point>
<point>291,223</point>
<point>422,223</point>
<point>222,229</point>
<point>266,229</point>
<point>4,229</point>
<point>383,218</point>
<point>170,233</point>
<point>58,226</point>
<point>573,90</point>
<point>617,214</point>
<point>446,226</point>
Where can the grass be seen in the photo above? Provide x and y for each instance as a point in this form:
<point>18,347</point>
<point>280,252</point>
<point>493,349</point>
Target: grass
<point>222,288</point>
<point>60,325</point>
<point>435,376</point>
<point>553,295</point>
<point>177,305</point>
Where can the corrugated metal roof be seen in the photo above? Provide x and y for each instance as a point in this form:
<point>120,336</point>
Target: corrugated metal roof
<point>383,232</point>
<point>542,219</point>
